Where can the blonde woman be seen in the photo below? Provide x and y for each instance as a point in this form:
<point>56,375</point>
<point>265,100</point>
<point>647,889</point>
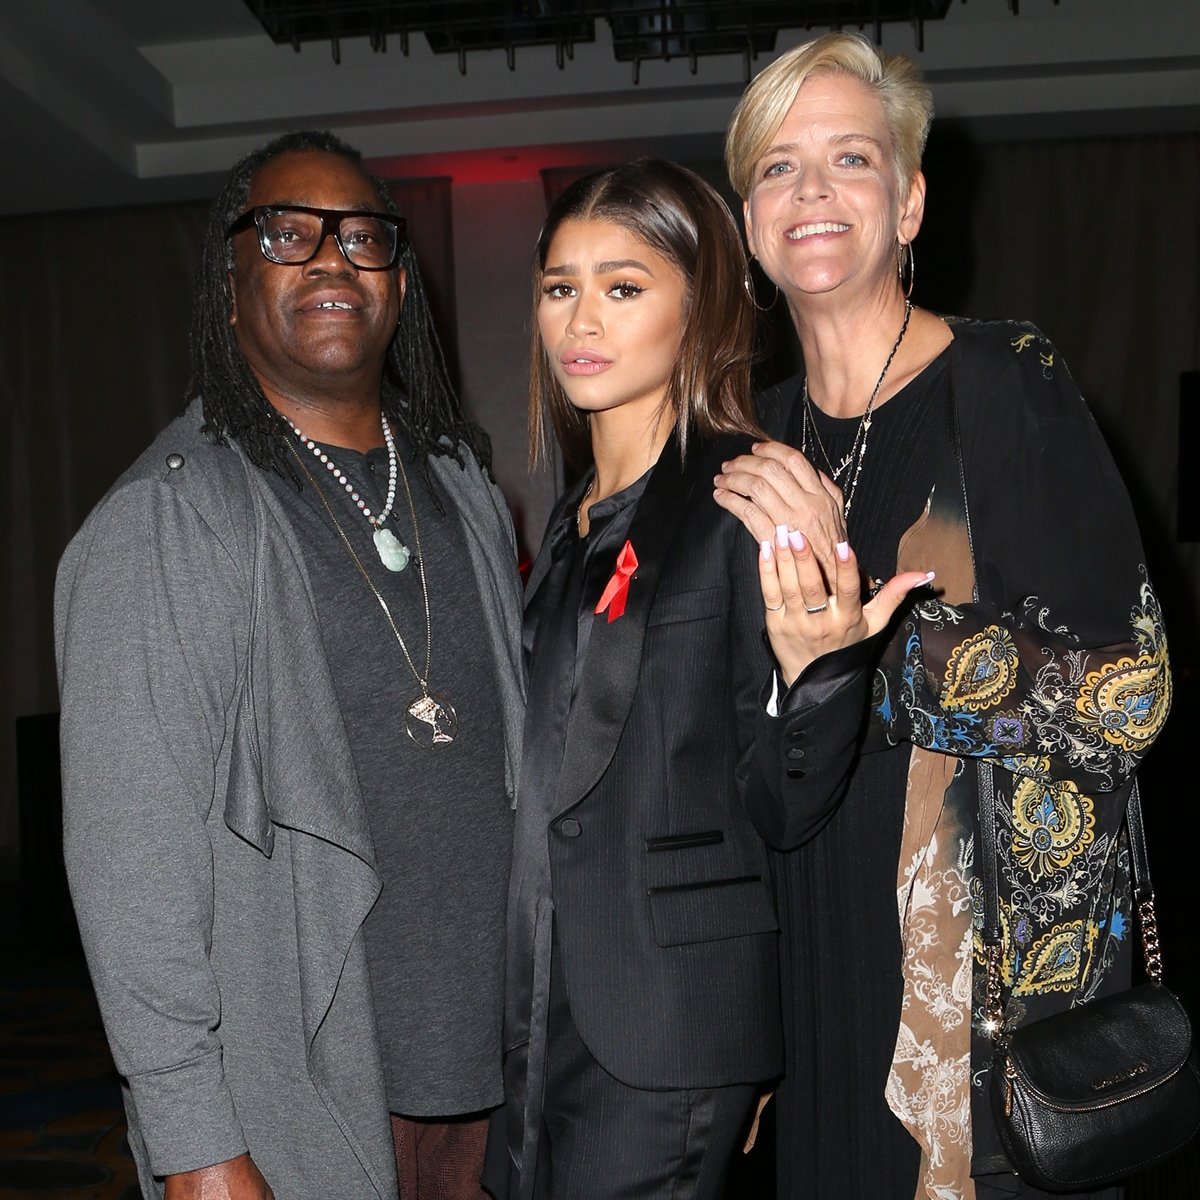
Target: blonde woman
<point>1033,675</point>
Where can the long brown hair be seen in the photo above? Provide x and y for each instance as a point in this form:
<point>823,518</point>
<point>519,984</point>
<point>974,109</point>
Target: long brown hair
<point>674,212</point>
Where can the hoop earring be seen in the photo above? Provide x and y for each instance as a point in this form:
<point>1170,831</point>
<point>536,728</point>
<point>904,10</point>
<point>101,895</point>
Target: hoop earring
<point>748,283</point>
<point>906,251</point>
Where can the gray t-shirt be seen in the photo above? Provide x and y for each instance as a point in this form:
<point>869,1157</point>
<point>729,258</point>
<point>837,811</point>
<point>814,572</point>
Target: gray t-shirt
<point>440,820</point>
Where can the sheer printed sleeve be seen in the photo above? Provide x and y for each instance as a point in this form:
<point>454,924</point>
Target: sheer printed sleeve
<point>1059,670</point>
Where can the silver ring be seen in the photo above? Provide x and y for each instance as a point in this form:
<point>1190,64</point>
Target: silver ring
<point>819,608</point>
<point>769,608</point>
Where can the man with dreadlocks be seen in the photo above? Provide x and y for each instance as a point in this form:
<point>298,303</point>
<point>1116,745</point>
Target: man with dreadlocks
<point>288,646</point>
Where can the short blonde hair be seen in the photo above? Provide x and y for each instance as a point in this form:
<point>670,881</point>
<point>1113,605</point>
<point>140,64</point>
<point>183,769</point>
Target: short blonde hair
<point>896,80</point>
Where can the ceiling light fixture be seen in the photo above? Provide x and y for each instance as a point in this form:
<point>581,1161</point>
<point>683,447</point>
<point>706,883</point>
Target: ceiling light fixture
<point>641,29</point>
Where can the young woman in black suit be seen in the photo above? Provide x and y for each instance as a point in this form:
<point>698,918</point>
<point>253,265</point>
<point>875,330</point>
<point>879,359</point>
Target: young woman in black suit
<point>643,1013</point>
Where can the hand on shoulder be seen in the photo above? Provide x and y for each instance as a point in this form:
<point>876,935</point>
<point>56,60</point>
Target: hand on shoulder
<point>776,485</point>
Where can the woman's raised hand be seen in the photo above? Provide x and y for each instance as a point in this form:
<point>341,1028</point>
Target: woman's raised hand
<point>776,485</point>
<point>807,617</point>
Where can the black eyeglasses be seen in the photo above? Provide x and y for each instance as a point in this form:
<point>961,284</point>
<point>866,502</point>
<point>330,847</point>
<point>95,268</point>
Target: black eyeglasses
<point>292,234</point>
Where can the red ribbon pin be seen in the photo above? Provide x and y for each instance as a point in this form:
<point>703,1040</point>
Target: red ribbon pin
<point>616,591</point>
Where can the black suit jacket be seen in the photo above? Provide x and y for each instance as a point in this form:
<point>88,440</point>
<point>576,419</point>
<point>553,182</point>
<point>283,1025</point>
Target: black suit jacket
<point>666,931</point>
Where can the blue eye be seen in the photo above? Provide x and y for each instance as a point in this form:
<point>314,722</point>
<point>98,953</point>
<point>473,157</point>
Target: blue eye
<point>776,168</point>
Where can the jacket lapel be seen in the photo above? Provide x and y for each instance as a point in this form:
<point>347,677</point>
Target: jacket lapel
<point>614,653</point>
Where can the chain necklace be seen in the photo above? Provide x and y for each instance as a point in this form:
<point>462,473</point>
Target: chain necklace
<point>393,553</point>
<point>858,448</point>
<point>579,510</point>
<point>429,720</point>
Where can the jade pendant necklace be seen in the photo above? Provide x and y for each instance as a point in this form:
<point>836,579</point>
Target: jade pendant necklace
<point>393,553</point>
<point>430,720</point>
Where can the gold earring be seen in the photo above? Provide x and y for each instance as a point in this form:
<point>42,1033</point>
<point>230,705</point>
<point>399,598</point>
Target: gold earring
<point>912,268</point>
<point>749,285</point>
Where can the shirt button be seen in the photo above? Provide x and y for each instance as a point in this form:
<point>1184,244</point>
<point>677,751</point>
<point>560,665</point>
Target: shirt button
<point>569,827</point>
<point>174,461</point>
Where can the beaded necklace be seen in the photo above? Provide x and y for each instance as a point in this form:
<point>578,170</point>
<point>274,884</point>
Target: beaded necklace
<point>393,553</point>
<point>430,720</point>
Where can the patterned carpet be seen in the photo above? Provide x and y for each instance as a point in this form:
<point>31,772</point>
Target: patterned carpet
<point>62,1128</point>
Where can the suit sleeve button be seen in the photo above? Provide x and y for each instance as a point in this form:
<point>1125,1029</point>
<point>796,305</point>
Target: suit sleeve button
<point>569,827</point>
<point>174,461</point>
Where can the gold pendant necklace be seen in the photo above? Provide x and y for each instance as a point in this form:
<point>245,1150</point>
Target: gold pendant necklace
<point>430,720</point>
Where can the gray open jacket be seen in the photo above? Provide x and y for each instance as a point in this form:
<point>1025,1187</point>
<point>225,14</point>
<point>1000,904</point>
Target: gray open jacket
<point>218,849</point>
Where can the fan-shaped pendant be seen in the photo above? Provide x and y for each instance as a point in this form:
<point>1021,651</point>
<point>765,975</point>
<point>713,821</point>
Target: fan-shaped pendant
<point>393,553</point>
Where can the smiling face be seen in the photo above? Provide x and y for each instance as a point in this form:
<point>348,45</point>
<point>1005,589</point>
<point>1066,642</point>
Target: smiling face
<point>323,327</point>
<point>610,315</point>
<point>825,210</point>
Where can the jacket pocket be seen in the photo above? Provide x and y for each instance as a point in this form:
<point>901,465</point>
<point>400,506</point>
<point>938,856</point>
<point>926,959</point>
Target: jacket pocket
<point>684,841</point>
<point>711,910</point>
<point>688,606</point>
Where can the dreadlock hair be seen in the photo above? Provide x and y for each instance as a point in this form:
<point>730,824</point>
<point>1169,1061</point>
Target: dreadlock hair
<point>417,396</point>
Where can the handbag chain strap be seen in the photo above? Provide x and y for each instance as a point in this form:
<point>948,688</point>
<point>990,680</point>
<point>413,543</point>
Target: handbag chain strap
<point>989,871</point>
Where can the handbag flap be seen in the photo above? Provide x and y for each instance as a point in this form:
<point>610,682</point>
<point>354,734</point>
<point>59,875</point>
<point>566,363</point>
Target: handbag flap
<point>1110,1048</point>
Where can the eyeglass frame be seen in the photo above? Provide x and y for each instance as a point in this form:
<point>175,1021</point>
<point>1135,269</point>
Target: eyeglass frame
<point>331,218</point>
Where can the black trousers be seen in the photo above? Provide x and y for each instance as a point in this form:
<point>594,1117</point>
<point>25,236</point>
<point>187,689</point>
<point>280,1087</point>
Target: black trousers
<point>604,1140</point>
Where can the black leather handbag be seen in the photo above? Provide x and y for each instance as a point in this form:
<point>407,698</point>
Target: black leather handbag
<point>1105,1089</point>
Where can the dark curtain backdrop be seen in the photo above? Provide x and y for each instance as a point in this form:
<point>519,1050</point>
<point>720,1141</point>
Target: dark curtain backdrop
<point>425,204</point>
<point>94,313</point>
<point>1097,241</point>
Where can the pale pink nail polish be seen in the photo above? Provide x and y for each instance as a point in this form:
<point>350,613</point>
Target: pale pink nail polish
<point>781,536</point>
<point>767,550</point>
<point>796,540</point>
<point>843,551</point>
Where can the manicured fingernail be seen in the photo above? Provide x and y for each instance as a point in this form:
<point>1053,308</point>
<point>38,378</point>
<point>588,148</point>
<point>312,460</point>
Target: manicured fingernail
<point>767,550</point>
<point>929,575</point>
<point>796,540</point>
<point>781,536</point>
<point>843,551</point>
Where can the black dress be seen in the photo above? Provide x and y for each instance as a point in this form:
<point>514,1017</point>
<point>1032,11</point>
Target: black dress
<point>836,1136</point>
